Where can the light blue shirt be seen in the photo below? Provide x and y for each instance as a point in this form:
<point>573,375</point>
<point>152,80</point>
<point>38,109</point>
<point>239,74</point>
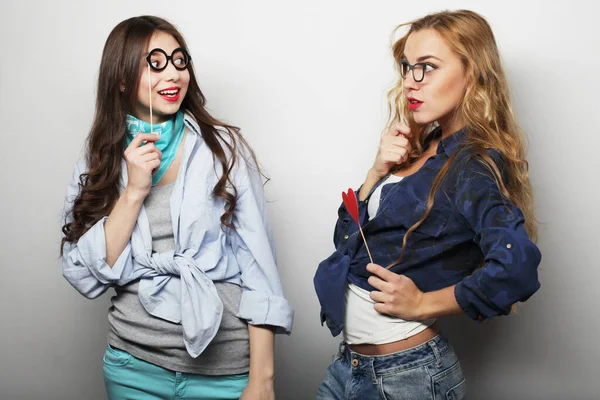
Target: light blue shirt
<point>178,285</point>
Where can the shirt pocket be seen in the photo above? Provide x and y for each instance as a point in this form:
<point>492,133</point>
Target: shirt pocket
<point>434,224</point>
<point>405,210</point>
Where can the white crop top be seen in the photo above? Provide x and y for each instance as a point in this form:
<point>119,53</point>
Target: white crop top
<point>362,323</point>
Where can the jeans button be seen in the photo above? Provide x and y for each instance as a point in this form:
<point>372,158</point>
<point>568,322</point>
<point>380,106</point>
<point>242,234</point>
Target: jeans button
<point>355,362</point>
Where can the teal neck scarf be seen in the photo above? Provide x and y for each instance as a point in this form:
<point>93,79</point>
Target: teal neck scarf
<point>171,134</point>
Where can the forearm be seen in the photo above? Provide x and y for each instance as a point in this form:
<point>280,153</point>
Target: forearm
<point>439,303</point>
<point>120,223</point>
<point>262,364</point>
<point>370,182</point>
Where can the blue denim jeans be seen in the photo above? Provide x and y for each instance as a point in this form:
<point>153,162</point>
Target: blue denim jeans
<point>428,371</point>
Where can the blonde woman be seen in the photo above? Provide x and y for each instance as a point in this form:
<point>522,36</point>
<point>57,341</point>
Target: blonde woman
<point>446,207</point>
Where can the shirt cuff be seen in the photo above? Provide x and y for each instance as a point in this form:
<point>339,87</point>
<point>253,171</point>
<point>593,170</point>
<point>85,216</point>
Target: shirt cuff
<point>472,303</point>
<point>92,250</point>
<point>261,309</point>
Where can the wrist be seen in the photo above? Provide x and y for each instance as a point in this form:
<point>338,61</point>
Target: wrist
<point>264,376</point>
<point>134,196</point>
<point>374,174</point>
<point>425,309</point>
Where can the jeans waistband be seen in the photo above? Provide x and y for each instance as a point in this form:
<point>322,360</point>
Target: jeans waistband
<point>426,353</point>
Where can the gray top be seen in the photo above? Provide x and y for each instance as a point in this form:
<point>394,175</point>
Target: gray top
<point>159,341</point>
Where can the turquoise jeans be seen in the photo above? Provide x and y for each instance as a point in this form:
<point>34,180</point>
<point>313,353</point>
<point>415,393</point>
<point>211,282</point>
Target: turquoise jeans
<point>129,378</point>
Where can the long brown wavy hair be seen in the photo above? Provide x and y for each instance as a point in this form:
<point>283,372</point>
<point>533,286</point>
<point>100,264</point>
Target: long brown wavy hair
<point>485,107</point>
<point>124,50</point>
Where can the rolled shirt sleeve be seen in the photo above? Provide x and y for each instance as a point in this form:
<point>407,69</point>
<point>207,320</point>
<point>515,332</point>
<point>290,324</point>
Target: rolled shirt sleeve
<point>262,302</point>
<point>509,273</point>
<point>84,262</point>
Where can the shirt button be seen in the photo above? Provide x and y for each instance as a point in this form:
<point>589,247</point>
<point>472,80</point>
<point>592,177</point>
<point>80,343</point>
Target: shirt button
<point>508,246</point>
<point>355,362</point>
<point>346,237</point>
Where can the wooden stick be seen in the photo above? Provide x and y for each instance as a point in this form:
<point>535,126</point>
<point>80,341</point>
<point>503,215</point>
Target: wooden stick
<point>402,117</point>
<point>366,245</point>
<point>150,97</point>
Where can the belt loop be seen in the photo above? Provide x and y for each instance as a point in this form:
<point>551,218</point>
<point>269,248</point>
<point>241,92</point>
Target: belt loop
<point>436,353</point>
<point>341,349</point>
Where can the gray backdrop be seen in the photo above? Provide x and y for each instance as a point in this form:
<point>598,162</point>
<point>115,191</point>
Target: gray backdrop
<point>306,80</point>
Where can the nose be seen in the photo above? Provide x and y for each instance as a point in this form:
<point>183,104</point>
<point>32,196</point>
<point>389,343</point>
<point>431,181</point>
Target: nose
<point>171,73</point>
<point>409,82</point>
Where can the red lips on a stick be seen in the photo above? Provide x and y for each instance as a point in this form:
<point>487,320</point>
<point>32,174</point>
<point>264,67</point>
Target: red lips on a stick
<point>352,206</point>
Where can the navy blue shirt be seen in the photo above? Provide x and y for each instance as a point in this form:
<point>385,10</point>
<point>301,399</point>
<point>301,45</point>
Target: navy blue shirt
<point>471,225</point>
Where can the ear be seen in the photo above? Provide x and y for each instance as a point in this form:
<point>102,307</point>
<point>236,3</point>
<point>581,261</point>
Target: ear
<point>122,86</point>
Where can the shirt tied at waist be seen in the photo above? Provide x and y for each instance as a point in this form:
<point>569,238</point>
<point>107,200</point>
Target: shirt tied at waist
<point>190,303</point>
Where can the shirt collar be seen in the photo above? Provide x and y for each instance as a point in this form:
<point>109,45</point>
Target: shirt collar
<point>191,123</point>
<point>449,144</point>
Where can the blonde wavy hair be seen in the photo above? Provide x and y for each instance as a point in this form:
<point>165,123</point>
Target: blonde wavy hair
<point>485,107</point>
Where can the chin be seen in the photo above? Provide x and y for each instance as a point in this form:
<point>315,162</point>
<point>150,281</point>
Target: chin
<point>169,110</point>
<point>422,118</point>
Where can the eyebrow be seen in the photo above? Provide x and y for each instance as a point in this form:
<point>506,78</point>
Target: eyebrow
<point>422,58</point>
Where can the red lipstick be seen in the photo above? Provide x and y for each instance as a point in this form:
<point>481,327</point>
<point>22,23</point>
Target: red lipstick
<point>170,94</point>
<point>414,103</point>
